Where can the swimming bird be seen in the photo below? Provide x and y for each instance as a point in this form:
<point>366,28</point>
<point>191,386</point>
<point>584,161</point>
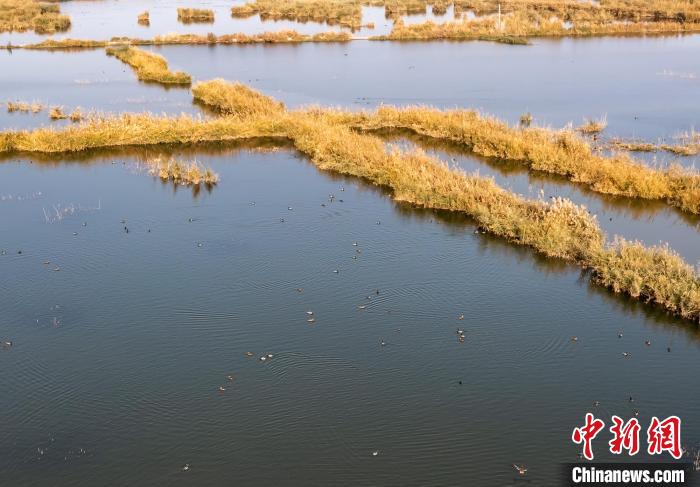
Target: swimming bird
<point>222,389</point>
<point>7,344</point>
<point>354,244</point>
<point>336,271</point>
<point>619,334</point>
<point>522,470</point>
<point>229,378</point>
<point>668,349</point>
<point>311,320</point>
<point>626,354</point>
<point>263,358</point>
<point>300,289</point>
<point>362,306</point>
<point>269,355</point>
<point>647,343</point>
<point>574,338</point>
<point>290,208</point>
<point>382,342</point>
<point>375,453</point>
<point>461,317</point>
<point>186,467</point>
<point>596,403</point>
<point>249,354</point>
<point>309,313</point>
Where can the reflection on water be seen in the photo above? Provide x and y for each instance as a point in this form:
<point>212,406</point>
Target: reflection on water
<point>117,359</point>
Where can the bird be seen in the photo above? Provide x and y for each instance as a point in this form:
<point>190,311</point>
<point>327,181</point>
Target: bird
<point>574,338</point>
<point>7,344</point>
<point>309,313</point>
<point>382,343</point>
<point>461,317</point>
<point>269,355</point>
<point>647,343</point>
<point>186,467</point>
<point>626,354</point>
<point>336,271</point>
<point>249,354</point>
<point>300,289</point>
<point>362,306</point>
<point>229,378</point>
<point>619,334</point>
<point>522,470</point>
<point>596,403</point>
<point>354,244</point>
<point>263,358</point>
<point>311,320</point>
<point>375,453</point>
<point>222,389</point>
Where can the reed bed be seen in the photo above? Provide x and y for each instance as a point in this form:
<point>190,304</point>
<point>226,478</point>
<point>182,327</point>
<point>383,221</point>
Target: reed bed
<point>559,152</point>
<point>235,98</point>
<point>593,126</point>
<point>144,18</point>
<point>281,37</point>
<point>688,145</point>
<point>23,106</point>
<point>182,173</point>
<point>24,15</point>
<point>195,15</point>
<point>149,66</point>
<point>517,27</point>
<point>346,13</point>
<point>557,228</point>
<point>57,113</point>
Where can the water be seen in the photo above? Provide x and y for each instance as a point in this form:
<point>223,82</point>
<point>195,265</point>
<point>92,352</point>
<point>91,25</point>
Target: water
<point>121,388</point>
<point>117,358</point>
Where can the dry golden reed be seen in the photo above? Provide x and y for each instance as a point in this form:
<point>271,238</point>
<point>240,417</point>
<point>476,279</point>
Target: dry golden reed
<point>235,98</point>
<point>183,173</point>
<point>23,15</point>
<point>192,15</point>
<point>149,66</point>
<point>144,18</point>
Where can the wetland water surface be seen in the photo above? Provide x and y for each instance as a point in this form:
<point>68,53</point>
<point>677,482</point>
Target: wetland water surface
<point>122,339</point>
<point>117,358</point>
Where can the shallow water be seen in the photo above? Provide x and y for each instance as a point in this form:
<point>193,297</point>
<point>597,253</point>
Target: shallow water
<point>117,358</point>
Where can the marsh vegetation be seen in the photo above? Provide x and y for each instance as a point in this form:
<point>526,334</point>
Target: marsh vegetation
<point>149,66</point>
<point>40,17</point>
<point>192,15</point>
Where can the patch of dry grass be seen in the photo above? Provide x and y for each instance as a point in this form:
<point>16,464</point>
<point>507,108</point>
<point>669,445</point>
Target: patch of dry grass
<point>183,173</point>
<point>559,152</point>
<point>24,15</point>
<point>149,66</point>
<point>56,113</point>
<point>281,37</point>
<point>195,15</point>
<point>23,106</point>
<point>235,98</point>
<point>593,126</point>
<point>346,13</point>
<point>144,18</point>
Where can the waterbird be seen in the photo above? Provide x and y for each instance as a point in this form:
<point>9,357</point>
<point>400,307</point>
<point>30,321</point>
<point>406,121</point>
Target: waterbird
<point>574,338</point>
<point>262,359</point>
<point>186,467</point>
<point>7,344</point>
<point>382,342</point>
<point>619,334</point>
<point>249,354</point>
<point>522,470</point>
<point>222,389</point>
<point>647,343</point>
<point>336,271</point>
<point>354,244</point>
<point>309,313</point>
<point>300,289</point>
<point>636,412</point>
<point>596,403</point>
<point>229,378</point>
<point>626,354</point>
<point>375,453</point>
<point>362,306</point>
<point>668,349</point>
<point>269,355</point>
<point>461,317</point>
<point>311,320</point>
<point>290,208</point>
